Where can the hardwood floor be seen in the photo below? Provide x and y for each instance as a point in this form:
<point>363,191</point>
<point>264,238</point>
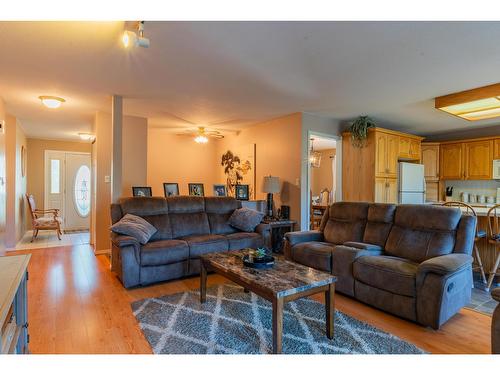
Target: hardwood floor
<point>76,305</point>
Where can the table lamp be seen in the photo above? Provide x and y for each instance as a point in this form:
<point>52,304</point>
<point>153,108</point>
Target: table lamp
<point>270,186</point>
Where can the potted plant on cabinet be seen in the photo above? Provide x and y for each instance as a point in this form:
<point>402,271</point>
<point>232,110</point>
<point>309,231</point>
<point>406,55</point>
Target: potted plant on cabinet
<point>359,130</point>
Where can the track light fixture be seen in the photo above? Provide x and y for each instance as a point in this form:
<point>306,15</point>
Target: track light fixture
<point>135,38</point>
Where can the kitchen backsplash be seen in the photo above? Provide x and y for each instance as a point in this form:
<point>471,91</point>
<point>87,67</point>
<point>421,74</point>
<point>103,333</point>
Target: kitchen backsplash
<point>479,187</point>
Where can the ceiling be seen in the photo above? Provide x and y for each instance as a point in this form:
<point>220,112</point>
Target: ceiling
<point>227,75</point>
<point>320,143</point>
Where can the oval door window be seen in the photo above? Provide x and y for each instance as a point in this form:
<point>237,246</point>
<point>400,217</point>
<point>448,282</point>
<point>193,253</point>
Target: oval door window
<point>82,191</point>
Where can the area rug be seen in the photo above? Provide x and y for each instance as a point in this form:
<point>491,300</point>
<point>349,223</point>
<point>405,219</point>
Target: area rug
<point>234,322</point>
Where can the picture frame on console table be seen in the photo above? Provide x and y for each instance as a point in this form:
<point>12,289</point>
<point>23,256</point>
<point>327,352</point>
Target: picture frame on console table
<point>220,190</point>
<point>170,189</point>
<point>242,192</point>
<point>196,190</point>
<point>142,191</point>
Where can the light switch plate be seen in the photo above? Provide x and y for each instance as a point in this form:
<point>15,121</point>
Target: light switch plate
<point>107,179</point>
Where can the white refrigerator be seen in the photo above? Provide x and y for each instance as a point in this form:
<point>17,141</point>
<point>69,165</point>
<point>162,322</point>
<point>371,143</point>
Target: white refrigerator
<point>411,183</point>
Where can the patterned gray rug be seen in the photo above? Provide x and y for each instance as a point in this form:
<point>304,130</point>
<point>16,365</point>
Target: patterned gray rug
<point>235,322</point>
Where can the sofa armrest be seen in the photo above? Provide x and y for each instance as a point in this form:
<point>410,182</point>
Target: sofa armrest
<point>121,240</point>
<point>495,293</point>
<point>262,228</point>
<point>445,264</point>
<point>363,246</point>
<point>294,238</point>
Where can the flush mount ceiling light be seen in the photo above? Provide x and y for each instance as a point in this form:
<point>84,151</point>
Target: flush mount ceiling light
<point>86,136</point>
<point>472,105</point>
<point>135,39</point>
<point>51,101</point>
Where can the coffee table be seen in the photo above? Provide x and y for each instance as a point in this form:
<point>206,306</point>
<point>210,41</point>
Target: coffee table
<point>286,281</point>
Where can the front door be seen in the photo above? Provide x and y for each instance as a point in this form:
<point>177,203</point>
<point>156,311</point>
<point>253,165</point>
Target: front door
<point>67,187</point>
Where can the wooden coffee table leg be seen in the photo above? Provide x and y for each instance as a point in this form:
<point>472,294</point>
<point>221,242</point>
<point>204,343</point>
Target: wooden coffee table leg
<point>203,283</point>
<point>330,310</point>
<point>277,325</point>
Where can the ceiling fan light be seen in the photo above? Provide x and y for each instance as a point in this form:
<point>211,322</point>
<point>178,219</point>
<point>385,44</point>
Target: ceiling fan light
<point>201,139</point>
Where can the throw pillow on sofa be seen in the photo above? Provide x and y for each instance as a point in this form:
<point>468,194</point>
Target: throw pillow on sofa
<point>134,226</point>
<point>245,219</point>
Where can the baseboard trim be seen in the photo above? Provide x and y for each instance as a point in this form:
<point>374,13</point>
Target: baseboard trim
<point>102,252</point>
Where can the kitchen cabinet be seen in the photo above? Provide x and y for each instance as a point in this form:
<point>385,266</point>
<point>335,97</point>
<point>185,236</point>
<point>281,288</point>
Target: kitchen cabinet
<point>478,161</point>
<point>451,161</point>
<point>386,190</point>
<point>409,148</point>
<point>387,148</point>
<point>430,160</point>
<point>432,191</point>
<point>496,149</point>
<point>370,173</point>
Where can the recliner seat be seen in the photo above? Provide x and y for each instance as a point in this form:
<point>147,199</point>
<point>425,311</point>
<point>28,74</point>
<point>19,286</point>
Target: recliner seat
<point>410,260</point>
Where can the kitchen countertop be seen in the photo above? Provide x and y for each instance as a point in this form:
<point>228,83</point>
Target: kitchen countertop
<point>480,208</point>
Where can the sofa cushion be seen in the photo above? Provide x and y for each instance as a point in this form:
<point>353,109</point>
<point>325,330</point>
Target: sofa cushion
<point>394,275</point>
<point>313,254</point>
<point>157,253</point>
<point>245,219</point>
<point>421,232</point>
<point>207,243</point>
<point>242,240</point>
<point>219,210</point>
<point>143,206</point>
<point>346,222</point>
<point>185,204</point>
<point>162,224</point>
<point>379,223</point>
<point>134,226</point>
<point>189,224</point>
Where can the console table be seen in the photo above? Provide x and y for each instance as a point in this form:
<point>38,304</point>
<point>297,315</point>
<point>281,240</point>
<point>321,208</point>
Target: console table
<point>278,229</point>
<point>14,336</point>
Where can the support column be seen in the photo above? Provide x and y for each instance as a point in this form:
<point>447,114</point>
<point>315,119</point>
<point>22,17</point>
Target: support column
<point>116,147</point>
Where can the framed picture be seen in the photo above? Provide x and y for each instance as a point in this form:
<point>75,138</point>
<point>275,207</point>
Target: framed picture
<point>142,191</point>
<point>242,192</point>
<point>220,191</point>
<point>196,190</point>
<point>170,189</point>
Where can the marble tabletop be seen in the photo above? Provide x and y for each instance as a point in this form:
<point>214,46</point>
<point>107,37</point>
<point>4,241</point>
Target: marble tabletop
<point>283,279</point>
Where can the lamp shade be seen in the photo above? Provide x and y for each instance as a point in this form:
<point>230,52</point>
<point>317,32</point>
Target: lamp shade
<point>271,185</point>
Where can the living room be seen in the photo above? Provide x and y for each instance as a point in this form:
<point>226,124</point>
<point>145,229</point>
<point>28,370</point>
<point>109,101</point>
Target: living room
<point>252,182</point>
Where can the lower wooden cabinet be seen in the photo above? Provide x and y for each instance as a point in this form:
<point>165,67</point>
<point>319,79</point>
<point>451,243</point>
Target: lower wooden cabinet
<point>432,191</point>
<point>386,190</point>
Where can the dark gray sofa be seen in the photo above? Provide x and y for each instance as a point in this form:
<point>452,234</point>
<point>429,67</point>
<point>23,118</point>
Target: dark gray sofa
<point>413,261</point>
<point>495,324</point>
<point>187,228</point>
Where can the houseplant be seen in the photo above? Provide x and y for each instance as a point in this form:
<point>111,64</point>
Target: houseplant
<point>359,130</point>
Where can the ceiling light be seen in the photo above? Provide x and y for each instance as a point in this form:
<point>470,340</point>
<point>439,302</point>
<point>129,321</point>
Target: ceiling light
<point>86,136</point>
<point>201,137</point>
<point>314,156</point>
<point>51,101</point>
<point>135,39</point>
<point>472,105</point>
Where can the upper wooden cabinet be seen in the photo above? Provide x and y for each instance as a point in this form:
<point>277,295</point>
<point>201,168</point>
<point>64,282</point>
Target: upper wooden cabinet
<point>409,148</point>
<point>451,161</point>
<point>496,149</point>
<point>430,160</point>
<point>386,154</point>
<point>478,160</point>
<point>468,160</point>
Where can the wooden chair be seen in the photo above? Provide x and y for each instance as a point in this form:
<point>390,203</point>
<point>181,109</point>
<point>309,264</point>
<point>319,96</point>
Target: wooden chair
<point>479,234</point>
<point>315,219</point>
<point>41,222</point>
<point>494,239</point>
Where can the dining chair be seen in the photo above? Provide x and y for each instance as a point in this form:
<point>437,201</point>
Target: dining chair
<point>494,239</point>
<point>468,210</point>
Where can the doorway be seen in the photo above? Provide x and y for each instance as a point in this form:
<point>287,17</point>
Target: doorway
<point>67,188</point>
<point>324,170</point>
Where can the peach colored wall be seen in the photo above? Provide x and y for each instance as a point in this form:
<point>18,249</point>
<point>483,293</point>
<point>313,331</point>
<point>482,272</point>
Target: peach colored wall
<point>2,180</point>
<point>322,177</point>
<point>15,183</point>
<point>174,158</point>
<point>278,145</point>
<point>36,165</point>
<point>134,159</point>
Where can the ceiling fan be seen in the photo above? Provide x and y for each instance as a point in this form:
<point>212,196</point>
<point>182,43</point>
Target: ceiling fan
<point>201,134</point>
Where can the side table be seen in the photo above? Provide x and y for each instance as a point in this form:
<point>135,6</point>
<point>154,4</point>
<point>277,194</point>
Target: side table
<point>278,229</point>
